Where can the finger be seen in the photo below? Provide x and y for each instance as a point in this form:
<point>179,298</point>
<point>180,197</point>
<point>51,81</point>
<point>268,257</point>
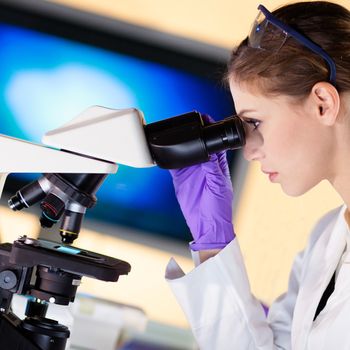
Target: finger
<point>183,173</point>
<point>207,119</point>
<point>222,159</point>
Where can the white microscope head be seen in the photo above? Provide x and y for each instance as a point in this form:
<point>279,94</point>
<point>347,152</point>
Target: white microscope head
<point>114,135</point>
<point>92,143</point>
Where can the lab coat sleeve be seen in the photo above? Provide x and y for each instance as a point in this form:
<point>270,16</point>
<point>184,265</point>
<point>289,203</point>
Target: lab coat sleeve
<point>217,301</point>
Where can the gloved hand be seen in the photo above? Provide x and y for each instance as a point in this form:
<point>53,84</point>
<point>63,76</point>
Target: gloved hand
<point>205,195</point>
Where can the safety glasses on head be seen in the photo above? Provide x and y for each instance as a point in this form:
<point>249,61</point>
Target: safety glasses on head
<point>278,32</point>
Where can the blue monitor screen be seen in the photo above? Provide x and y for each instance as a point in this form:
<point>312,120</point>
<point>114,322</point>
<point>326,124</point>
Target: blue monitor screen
<point>46,80</point>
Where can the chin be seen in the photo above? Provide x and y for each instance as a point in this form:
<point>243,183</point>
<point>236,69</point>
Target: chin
<point>293,190</point>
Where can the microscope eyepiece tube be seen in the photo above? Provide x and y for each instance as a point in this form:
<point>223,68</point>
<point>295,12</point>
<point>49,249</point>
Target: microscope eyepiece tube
<point>185,140</point>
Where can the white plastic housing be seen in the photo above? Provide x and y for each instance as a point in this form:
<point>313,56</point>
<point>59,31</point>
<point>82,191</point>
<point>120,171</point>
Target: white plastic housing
<point>18,156</point>
<point>113,135</point>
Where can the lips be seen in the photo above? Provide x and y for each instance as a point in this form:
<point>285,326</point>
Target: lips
<point>271,174</point>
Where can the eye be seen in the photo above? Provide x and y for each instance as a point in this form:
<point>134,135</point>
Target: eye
<point>255,123</point>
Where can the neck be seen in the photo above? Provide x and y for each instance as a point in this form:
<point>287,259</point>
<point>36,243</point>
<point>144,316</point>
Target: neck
<point>341,165</point>
<point>341,177</point>
<point>342,186</point>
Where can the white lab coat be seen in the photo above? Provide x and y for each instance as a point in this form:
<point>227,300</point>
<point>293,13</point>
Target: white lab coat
<point>224,315</point>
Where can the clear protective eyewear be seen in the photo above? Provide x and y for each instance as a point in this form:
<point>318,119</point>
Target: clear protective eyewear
<point>267,23</point>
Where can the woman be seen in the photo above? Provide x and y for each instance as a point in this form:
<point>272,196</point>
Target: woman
<point>290,80</point>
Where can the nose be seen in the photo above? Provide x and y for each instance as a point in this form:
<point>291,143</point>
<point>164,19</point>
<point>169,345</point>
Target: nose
<point>252,149</point>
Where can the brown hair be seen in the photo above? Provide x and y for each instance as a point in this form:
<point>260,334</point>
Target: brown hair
<point>293,69</point>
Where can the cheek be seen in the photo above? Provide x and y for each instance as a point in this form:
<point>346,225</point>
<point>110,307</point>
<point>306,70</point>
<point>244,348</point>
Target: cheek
<point>302,162</point>
<point>280,141</point>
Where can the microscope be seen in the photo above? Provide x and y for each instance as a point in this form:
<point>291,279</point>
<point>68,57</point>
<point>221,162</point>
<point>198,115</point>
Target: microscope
<point>75,159</point>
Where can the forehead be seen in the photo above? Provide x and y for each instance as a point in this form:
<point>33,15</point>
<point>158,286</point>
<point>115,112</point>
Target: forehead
<point>248,96</point>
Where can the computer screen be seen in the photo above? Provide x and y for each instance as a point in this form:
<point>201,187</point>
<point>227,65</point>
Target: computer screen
<point>51,71</point>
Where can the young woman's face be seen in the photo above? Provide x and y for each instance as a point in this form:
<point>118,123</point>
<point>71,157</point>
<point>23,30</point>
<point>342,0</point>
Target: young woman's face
<point>292,146</point>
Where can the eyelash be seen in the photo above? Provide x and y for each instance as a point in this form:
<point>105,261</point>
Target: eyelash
<point>253,122</point>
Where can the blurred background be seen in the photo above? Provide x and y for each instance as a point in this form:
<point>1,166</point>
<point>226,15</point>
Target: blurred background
<point>165,58</point>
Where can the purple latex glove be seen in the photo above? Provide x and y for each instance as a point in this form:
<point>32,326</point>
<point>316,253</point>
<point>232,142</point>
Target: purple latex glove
<point>205,195</point>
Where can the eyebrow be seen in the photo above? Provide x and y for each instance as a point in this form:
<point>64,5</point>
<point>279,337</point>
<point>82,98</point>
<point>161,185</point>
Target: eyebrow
<point>245,111</point>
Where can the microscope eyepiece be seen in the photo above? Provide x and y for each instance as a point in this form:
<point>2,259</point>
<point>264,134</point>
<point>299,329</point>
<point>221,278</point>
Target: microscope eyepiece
<point>185,140</point>
<point>224,135</point>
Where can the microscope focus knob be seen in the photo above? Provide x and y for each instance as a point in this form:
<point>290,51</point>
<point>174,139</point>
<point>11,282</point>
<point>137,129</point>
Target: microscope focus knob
<point>8,279</point>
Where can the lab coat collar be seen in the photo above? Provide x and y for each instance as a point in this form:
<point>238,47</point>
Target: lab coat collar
<point>318,271</point>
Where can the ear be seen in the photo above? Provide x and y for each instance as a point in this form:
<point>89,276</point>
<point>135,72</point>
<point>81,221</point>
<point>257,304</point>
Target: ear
<point>327,100</point>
